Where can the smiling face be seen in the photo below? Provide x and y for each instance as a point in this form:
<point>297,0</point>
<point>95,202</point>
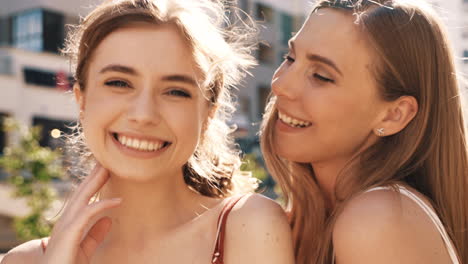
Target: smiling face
<point>143,111</point>
<point>327,98</point>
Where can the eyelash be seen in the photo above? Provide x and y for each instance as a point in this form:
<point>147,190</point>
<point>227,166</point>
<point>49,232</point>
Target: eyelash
<point>123,84</point>
<point>317,76</point>
<point>288,58</point>
<point>117,84</point>
<point>179,93</point>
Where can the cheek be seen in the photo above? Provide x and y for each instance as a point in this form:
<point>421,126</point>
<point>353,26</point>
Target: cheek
<point>187,126</point>
<point>342,122</point>
<point>96,118</point>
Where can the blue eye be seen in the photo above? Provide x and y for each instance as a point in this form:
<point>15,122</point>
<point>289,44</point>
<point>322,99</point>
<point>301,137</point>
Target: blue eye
<point>179,93</point>
<point>322,79</point>
<point>117,83</point>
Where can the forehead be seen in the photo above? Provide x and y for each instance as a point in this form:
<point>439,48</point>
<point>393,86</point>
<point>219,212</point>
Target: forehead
<point>334,34</point>
<point>149,49</point>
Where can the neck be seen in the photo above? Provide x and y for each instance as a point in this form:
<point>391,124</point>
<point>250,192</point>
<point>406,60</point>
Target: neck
<point>327,172</point>
<point>150,209</point>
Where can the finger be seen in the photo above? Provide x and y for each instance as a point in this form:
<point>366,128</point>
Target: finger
<point>80,199</point>
<point>95,236</point>
<point>92,187</point>
<point>79,225</point>
<point>88,179</point>
<point>70,234</point>
<point>84,183</point>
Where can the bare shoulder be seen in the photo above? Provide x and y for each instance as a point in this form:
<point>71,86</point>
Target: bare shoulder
<point>27,252</point>
<point>386,227</point>
<point>258,231</point>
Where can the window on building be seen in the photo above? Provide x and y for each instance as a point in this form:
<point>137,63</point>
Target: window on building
<point>39,77</point>
<point>264,13</point>
<point>263,93</point>
<point>2,133</point>
<point>287,24</point>
<point>4,32</point>
<point>465,56</point>
<point>53,131</point>
<point>38,30</point>
<point>53,31</point>
<point>265,54</point>
<point>59,80</point>
<point>27,30</point>
<point>6,65</point>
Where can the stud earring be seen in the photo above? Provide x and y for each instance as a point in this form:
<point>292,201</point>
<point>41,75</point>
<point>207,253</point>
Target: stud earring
<point>381,132</point>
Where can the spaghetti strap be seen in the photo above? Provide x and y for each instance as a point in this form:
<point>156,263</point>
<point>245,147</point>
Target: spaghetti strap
<point>218,253</point>
<point>432,215</point>
<point>43,244</point>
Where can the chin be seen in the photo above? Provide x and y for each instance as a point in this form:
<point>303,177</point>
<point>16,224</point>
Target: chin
<point>132,174</point>
<point>294,156</point>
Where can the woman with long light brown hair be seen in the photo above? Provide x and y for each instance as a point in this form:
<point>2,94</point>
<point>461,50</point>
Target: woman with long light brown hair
<point>153,86</point>
<point>366,136</point>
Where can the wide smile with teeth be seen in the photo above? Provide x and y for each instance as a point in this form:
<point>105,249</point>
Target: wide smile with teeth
<point>139,144</point>
<point>292,121</point>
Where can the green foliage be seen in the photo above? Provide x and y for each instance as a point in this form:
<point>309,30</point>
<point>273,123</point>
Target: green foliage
<point>251,163</point>
<point>30,170</point>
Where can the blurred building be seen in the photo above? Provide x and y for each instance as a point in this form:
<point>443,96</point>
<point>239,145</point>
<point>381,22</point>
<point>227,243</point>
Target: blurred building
<point>454,13</point>
<point>34,78</point>
<point>278,21</point>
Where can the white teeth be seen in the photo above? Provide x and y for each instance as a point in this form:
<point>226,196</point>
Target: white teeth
<point>143,145</point>
<point>293,122</point>
<point>137,144</point>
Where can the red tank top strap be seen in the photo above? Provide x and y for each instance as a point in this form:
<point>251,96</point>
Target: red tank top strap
<point>44,244</point>
<point>218,254</point>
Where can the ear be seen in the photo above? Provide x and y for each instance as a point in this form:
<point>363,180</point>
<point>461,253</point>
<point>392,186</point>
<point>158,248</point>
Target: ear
<point>397,116</point>
<point>79,95</point>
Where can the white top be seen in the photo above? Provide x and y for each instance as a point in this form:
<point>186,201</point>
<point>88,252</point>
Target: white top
<point>432,215</point>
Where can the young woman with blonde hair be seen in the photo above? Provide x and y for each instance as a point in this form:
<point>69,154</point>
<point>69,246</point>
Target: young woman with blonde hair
<point>366,136</point>
<point>153,83</point>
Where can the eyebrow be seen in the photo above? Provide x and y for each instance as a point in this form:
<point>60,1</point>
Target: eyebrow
<point>180,78</point>
<point>169,78</point>
<point>118,68</point>
<point>315,57</point>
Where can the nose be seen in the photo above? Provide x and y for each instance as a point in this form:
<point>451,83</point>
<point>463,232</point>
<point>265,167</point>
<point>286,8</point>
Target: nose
<point>284,82</point>
<point>144,110</point>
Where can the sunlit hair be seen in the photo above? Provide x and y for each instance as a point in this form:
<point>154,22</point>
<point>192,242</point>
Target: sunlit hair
<point>412,57</point>
<point>222,51</point>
